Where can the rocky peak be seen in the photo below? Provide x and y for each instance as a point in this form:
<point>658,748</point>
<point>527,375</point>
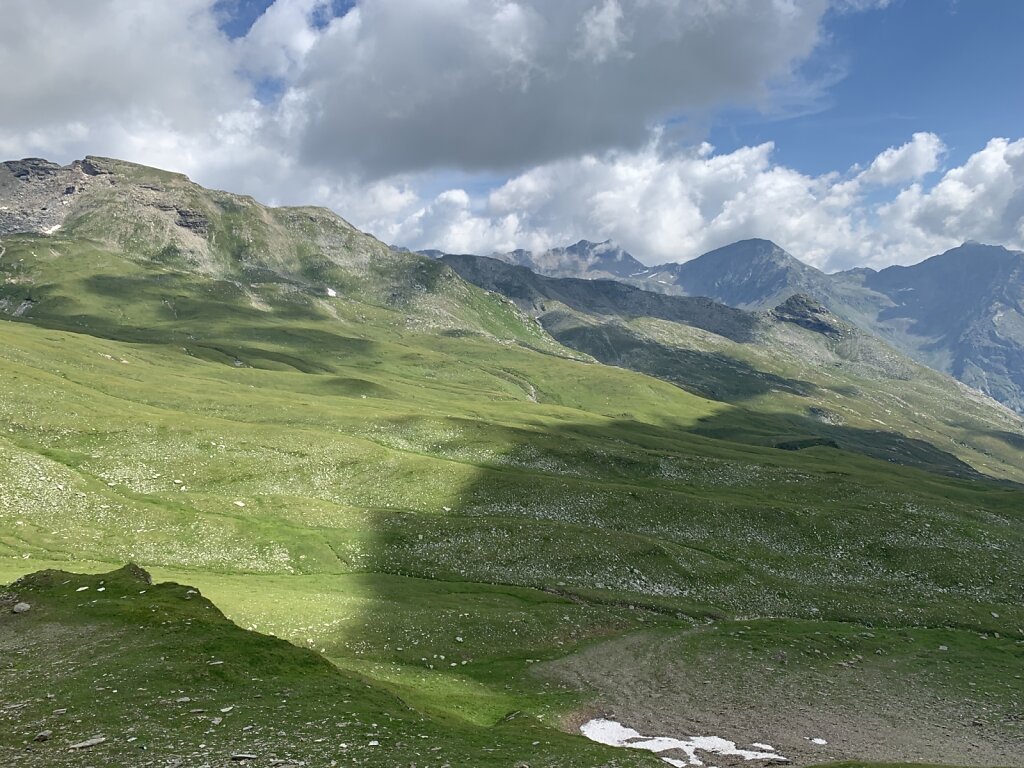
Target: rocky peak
<point>36,195</point>
<point>808,313</point>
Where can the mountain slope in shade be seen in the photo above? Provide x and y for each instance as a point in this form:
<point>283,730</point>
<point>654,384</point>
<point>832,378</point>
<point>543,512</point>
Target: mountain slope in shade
<point>799,375</point>
<point>961,312</point>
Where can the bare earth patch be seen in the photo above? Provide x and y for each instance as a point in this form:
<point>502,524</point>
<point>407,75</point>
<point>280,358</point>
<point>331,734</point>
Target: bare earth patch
<point>809,713</point>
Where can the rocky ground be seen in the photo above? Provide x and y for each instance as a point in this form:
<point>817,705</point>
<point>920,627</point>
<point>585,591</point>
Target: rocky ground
<point>843,709</point>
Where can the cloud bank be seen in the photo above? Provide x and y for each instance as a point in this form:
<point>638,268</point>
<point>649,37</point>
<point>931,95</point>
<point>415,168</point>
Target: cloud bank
<point>482,125</point>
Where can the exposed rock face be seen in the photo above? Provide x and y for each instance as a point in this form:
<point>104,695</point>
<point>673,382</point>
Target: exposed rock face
<point>810,314</point>
<point>750,274</point>
<point>36,195</point>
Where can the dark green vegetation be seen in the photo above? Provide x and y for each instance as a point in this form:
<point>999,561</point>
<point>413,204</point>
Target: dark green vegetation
<point>160,675</point>
<point>414,479</point>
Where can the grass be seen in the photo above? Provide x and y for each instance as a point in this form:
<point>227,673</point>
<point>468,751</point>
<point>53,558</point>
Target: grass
<point>376,475</point>
<point>161,675</point>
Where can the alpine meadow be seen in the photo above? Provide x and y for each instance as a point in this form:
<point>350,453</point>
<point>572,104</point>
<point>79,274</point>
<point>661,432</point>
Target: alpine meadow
<point>433,486</point>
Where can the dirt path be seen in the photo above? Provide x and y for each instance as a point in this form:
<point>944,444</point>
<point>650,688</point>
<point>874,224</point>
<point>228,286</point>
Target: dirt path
<point>642,682</point>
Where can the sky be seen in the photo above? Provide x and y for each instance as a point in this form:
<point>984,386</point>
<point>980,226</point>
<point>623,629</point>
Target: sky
<point>850,132</point>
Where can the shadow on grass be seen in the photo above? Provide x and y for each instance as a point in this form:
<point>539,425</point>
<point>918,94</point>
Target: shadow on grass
<point>708,374</point>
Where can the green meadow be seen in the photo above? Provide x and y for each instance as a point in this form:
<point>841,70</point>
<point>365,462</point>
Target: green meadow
<point>442,510</point>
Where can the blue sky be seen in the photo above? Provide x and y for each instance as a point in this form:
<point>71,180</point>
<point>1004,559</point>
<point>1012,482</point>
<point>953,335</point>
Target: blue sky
<point>954,68</point>
<point>851,132</point>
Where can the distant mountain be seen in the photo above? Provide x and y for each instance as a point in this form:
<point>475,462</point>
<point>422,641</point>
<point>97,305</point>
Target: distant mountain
<point>750,274</point>
<point>584,259</point>
<point>961,312</point>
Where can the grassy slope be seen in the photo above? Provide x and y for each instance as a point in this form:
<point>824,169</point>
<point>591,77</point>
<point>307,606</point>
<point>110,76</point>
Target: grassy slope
<point>433,467</point>
<point>163,677</point>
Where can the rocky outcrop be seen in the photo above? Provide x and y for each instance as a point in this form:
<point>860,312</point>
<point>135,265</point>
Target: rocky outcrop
<point>807,313</point>
<point>36,195</point>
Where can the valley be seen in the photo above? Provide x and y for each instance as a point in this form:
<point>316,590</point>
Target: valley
<point>482,507</point>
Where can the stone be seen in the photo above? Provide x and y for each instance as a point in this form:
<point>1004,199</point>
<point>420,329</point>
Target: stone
<point>94,741</point>
<point>22,608</point>
<point>44,735</point>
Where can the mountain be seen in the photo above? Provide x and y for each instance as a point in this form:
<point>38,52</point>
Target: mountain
<point>822,379</point>
<point>475,520</point>
<point>583,259</point>
<point>961,312</point>
<point>751,274</point>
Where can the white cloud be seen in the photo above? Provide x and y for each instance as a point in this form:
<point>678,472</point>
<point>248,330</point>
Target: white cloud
<point>908,162</point>
<point>983,199</point>
<point>409,85</point>
<point>675,206</point>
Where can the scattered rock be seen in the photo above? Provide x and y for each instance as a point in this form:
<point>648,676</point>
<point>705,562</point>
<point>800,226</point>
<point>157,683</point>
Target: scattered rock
<point>94,741</point>
<point>43,735</point>
<point>238,757</point>
<point>22,608</point>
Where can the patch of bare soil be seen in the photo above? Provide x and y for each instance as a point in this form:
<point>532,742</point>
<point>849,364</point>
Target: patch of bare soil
<point>643,682</point>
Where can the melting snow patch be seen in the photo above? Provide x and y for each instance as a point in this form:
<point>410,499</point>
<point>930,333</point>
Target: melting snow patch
<point>819,742</point>
<point>760,745</point>
<point>51,230</point>
<point>332,293</point>
<point>617,735</point>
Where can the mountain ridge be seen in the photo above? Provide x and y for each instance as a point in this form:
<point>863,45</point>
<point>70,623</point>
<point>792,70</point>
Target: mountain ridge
<point>960,312</point>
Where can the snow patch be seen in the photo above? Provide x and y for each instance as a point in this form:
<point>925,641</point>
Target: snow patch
<point>332,293</point>
<point>51,230</point>
<point>615,734</point>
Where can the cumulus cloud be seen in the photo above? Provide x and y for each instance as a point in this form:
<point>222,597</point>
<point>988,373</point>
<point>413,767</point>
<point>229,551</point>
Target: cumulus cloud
<point>551,115</point>
<point>601,31</point>
<point>983,199</point>
<point>406,85</point>
<point>911,161</point>
<point>674,205</point>
<point>82,62</point>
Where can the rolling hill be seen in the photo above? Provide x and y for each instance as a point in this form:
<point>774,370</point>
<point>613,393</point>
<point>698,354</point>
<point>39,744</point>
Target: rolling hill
<point>443,491</point>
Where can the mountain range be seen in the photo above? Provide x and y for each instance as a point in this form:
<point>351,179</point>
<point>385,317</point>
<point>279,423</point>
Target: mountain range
<point>485,512</point>
<point>960,312</point>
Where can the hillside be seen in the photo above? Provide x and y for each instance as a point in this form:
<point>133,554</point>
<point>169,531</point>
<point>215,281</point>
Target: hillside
<point>480,527</point>
<point>796,374</point>
<point>959,312</point>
